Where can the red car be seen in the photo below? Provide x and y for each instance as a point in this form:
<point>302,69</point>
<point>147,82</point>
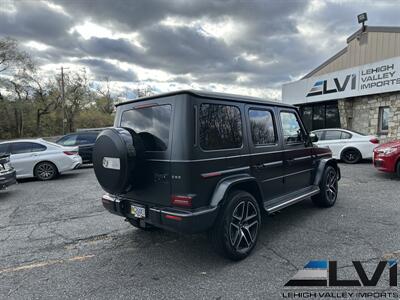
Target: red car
<point>387,157</point>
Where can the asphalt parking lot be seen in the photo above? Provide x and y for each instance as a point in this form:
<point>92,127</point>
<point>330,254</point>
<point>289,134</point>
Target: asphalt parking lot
<point>57,241</point>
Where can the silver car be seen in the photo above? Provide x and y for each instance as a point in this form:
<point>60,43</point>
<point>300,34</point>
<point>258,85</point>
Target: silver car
<point>39,158</point>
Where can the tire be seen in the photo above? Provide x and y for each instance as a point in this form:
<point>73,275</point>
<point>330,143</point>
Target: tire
<point>45,171</point>
<point>351,156</point>
<point>398,169</point>
<point>235,232</point>
<point>328,189</point>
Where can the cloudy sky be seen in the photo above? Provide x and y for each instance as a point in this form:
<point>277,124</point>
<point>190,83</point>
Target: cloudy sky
<point>245,46</point>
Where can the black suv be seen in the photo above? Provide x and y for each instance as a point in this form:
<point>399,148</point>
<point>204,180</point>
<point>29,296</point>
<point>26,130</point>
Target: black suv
<point>85,142</point>
<point>193,161</point>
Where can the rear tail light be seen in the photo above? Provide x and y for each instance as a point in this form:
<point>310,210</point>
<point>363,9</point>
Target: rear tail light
<point>70,152</point>
<point>374,141</point>
<point>183,201</point>
<point>175,218</point>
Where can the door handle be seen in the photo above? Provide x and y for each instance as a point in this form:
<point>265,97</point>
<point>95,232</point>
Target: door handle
<point>290,161</point>
<point>259,166</point>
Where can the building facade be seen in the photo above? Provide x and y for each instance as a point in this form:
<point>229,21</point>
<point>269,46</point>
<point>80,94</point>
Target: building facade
<point>358,88</point>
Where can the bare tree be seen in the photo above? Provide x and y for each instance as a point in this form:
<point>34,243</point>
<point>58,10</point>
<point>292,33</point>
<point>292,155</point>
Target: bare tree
<point>76,96</point>
<point>106,101</point>
<point>46,97</point>
<point>19,89</point>
<point>12,56</point>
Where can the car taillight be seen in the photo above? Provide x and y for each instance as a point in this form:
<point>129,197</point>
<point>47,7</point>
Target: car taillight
<point>175,218</point>
<point>183,201</point>
<point>70,152</point>
<point>374,141</point>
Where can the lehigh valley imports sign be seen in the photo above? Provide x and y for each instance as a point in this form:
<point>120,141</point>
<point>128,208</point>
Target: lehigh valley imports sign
<point>380,77</point>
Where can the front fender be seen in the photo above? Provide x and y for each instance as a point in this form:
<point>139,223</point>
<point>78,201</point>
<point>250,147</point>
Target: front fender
<point>321,167</point>
<point>226,184</point>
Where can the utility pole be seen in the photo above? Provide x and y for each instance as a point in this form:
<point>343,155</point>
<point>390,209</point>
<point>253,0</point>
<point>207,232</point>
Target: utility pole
<point>63,100</point>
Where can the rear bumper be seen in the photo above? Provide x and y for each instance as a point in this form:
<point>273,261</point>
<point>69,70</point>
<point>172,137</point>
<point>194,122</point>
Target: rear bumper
<point>8,179</point>
<point>172,219</point>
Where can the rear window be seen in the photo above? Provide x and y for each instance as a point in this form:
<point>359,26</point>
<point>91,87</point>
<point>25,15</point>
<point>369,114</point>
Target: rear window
<point>151,123</point>
<point>87,138</point>
<point>332,135</point>
<point>220,127</point>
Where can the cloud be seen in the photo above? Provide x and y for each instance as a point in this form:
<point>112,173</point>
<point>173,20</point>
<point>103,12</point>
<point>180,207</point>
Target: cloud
<point>250,46</point>
<point>103,70</point>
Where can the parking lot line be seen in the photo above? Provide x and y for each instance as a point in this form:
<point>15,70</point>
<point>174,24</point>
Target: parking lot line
<point>45,264</point>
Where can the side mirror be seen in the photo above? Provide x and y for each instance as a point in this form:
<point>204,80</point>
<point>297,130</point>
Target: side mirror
<point>313,138</point>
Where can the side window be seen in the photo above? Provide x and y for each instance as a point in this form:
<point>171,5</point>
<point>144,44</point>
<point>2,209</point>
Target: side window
<point>69,140</point>
<point>220,127</point>
<point>261,127</point>
<point>37,147</point>
<point>332,135</point>
<point>345,135</point>
<point>292,132</point>
<point>319,135</point>
<point>87,138</point>
<point>4,148</point>
<point>25,147</point>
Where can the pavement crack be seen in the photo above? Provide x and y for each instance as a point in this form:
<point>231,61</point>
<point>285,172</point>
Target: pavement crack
<point>283,258</point>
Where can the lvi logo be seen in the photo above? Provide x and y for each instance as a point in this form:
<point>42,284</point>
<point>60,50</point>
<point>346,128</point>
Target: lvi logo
<point>321,86</point>
<point>321,273</point>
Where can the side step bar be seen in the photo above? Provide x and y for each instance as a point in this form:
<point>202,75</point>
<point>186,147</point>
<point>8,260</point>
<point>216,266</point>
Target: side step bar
<point>289,199</point>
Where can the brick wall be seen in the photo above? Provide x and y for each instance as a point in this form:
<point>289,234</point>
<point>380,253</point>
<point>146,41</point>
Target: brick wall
<point>362,114</point>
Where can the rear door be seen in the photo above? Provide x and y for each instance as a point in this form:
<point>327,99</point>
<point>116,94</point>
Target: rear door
<point>24,156</point>
<point>266,158</point>
<point>298,155</point>
<point>332,140</point>
<point>152,121</point>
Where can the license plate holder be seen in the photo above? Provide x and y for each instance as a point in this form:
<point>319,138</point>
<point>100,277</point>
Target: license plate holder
<point>138,211</point>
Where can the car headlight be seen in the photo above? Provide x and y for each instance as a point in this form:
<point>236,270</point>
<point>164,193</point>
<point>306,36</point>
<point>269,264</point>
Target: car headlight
<point>388,150</point>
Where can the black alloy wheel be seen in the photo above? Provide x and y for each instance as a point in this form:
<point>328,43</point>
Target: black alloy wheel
<point>236,229</point>
<point>45,171</point>
<point>244,226</point>
<point>351,156</point>
<point>328,188</point>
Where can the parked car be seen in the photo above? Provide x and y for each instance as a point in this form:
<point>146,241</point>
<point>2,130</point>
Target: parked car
<point>7,172</point>
<point>39,158</point>
<point>194,161</point>
<point>85,142</point>
<point>387,157</point>
<point>346,145</point>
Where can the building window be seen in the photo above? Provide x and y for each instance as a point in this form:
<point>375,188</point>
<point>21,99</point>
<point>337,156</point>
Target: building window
<point>383,119</point>
<point>320,116</point>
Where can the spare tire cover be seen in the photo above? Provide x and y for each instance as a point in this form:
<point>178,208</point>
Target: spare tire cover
<point>114,159</point>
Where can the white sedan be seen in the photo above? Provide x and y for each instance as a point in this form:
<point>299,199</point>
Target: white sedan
<point>346,145</point>
<point>39,158</point>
